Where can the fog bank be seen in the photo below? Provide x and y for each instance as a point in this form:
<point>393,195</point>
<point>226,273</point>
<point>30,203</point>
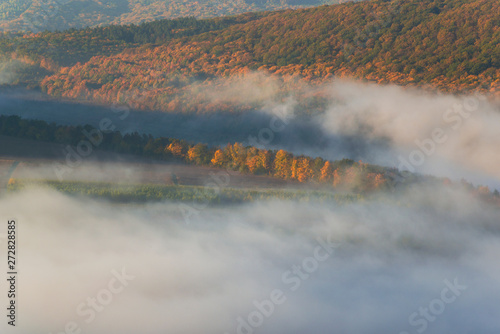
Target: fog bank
<point>408,128</point>
<point>362,268</point>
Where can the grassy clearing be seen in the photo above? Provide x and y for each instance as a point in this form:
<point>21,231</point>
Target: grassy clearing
<point>154,193</point>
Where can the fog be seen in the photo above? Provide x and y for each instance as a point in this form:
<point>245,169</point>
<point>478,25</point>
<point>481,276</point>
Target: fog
<point>9,70</point>
<point>426,263</point>
<point>451,132</point>
<point>301,134</point>
<point>427,132</point>
<point>364,268</point>
<point>411,128</point>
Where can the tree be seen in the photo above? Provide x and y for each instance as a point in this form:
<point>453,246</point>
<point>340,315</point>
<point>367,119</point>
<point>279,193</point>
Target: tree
<point>198,154</point>
<point>253,164</point>
<point>219,158</point>
<point>282,164</point>
<point>237,155</point>
<point>380,181</point>
<point>373,181</point>
<point>304,169</point>
<point>294,168</point>
<point>317,164</point>
<point>264,162</point>
<point>326,172</point>
<point>177,149</point>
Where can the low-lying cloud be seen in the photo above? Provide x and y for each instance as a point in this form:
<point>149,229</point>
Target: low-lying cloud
<point>387,262</point>
<point>9,71</point>
<point>460,129</point>
<point>411,128</point>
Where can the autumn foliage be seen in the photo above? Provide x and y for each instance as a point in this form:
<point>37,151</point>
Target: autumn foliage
<point>343,175</point>
<point>452,45</point>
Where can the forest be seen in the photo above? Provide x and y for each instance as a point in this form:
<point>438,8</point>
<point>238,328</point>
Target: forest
<point>17,15</point>
<point>79,45</point>
<point>343,175</point>
<point>453,46</point>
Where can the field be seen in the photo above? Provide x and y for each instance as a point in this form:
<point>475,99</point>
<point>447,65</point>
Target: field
<point>142,193</point>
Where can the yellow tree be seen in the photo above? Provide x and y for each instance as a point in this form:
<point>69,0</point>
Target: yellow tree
<point>294,168</point>
<point>219,159</point>
<point>264,162</point>
<point>251,160</point>
<point>176,149</point>
<point>282,164</point>
<point>191,154</point>
<point>198,154</point>
<point>253,164</point>
<point>326,172</point>
<point>237,154</point>
<point>304,170</point>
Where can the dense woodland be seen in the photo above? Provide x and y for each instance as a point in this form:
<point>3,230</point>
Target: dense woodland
<point>453,45</point>
<point>17,15</point>
<point>79,45</point>
<point>343,175</point>
<point>346,174</point>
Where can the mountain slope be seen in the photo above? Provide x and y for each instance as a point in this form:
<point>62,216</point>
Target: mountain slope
<point>37,16</point>
<point>453,45</point>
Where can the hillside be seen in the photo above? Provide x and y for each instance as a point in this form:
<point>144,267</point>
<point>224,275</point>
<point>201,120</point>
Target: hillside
<point>16,15</point>
<point>148,168</point>
<point>452,45</point>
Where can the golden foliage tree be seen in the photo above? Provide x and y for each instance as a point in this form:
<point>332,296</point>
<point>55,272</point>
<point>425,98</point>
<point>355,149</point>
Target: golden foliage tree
<point>219,159</point>
<point>282,164</point>
<point>177,149</point>
<point>326,172</point>
<point>304,169</point>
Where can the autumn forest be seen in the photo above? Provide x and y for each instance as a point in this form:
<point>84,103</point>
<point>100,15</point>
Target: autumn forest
<point>452,46</point>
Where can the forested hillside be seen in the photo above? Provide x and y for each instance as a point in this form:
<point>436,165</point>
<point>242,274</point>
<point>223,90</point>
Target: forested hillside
<point>39,15</point>
<point>453,45</point>
<point>345,174</point>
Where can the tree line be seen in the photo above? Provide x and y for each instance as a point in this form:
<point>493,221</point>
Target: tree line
<point>344,174</point>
